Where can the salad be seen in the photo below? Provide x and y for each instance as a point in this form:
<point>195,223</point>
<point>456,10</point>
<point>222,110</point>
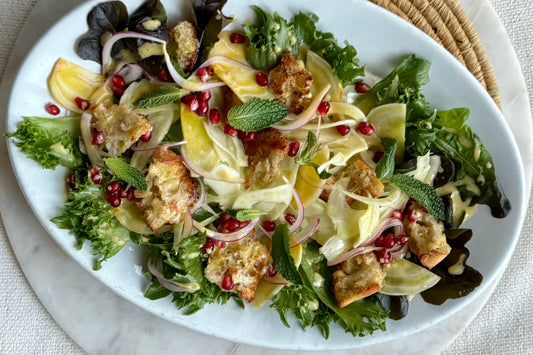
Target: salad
<point>262,165</point>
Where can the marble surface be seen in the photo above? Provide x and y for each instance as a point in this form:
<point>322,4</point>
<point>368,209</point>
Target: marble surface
<point>84,308</point>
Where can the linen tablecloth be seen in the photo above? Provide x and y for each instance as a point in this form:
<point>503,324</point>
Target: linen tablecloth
<point>505,324</point>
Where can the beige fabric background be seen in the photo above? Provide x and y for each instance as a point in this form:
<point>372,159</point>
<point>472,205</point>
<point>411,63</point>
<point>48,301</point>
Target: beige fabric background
<point>505,325</point>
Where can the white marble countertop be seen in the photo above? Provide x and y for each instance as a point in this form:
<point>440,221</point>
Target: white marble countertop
<point>502,326</point>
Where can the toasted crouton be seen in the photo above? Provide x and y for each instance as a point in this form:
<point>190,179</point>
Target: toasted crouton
<point>427,238</point>
<point>356,278</point>
<point>265,155</point>
<point>183,44</point>
<point>171,190</point>
<point>363,180</point>
<point>291,83</point>
<point>122,127</point>
<point>245,260</point>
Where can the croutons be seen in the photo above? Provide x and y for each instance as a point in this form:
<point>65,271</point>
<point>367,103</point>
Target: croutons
<point>121,126</point>
<point>183,44</point>
<point>291,83</point>
<point>427,239</point>
<point>171,190</point>
<point>356,278</point>
<point>265,155</point>
<point>363,180</point>
<point>245,261</point>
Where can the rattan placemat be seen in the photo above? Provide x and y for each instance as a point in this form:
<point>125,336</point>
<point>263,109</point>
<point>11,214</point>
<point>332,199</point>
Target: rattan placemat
<point>447,23</point>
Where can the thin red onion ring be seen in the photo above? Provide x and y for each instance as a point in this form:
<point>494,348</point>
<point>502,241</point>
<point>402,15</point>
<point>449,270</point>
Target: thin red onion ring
<point>201,172</point>
<point>391,222</point>
<point>307,115</point>
<point>226,237</point>
<point>299,204</point>
<point>171,285</point>
<point>305,233</point>
<point>167,145</point>
<point>201,198</point>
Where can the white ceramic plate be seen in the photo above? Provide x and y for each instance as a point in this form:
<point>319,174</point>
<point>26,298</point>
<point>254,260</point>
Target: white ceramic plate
<point>382,40</point>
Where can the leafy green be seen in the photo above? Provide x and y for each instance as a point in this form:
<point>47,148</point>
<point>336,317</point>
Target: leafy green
<point>256,114</point>
<point>422,193</point>
<point>245,214</point>
<point>209,22</point>
<point>385,166</point>
<point>161,95</point>
<point>281,254</point>
<point>307,154</point>
<point>90,218</point>
<point>343,60</point>
<point>126,172</point>
<point>49,141</point>
<point>269,37</point>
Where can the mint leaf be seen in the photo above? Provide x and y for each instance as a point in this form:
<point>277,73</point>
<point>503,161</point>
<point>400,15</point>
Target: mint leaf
<point>281,254</point>
<point>245,214</point>
<point>126,172</point>
<point>256,114</point>
<point>422,193</point>
<point>307,154</point>
<point>385,166</point>
<point>160,96</point>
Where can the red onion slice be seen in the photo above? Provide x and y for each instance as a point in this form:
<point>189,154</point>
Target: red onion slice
<point>300,206</point>
<point>166,283</point>
<point>226,237</point>
<point>391,222</point>
<point>307,115</point>
<point>305,233</point>
<point>168,145</point>
<point>201,198</point>
<point>201,172</point>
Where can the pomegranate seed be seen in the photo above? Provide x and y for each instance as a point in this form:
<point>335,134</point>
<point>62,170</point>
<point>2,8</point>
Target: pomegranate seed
<point>220,244</point>
<point>204,74</point>
<point>413,216</point>
<point>323,108</point>
<point>230,131</point>
<point>98,138</point>
<point>71,180</point>
<point>52,109</point>
<point>214,116</point>
<point>271,270</point>
<point>401,239</point>
<point>261,78</point>
<point>249,137</point>
<point>237,38</point>
<point>208,246</point>
<point>227,282</point>
<point>203,108</point>
<point>290,218</point>
<point>365,128</point>
<point>96,176</point>
<point>163,76</point>
<point>389,241</point>
<point>397,214</point>
<point>191,101</point>
<point>123,191</point>
<point>204,96</point>
<point>119,90</point>
<point>131,194</point>
<point>118,81</point>
<point>384,256</point>
<point>380,241</point>
<point>343,129</point>
<point>377,156</point>
<point>294,147</point>
<point>112,188</point>
<point>232,225</point>
<point>223,218</point>
<point>82,104</point>
<point>113,200</point>
<point>362,88</point>
<point>269,226</point>
<point>146,137</point>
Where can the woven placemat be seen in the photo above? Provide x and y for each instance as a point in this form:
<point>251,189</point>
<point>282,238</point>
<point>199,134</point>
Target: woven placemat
<point>447,23</point>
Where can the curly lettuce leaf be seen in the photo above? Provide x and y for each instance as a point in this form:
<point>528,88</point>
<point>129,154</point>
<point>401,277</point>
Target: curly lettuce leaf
<point>50,141</point>
<point>90,218</point>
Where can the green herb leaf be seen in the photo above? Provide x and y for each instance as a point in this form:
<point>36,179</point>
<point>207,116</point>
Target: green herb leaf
<point>256,114</point>
<point>126,172</point>
<point>307,154</point>
<point>245,214</point>
<point>281,254</point>
<point>385,166</point>
<point>422,193</point>
<point>160,96</point>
